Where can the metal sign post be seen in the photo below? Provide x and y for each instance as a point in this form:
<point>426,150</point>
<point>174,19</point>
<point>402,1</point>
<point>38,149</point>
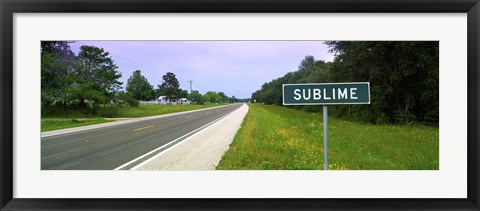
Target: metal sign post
<point>326,94</point>
<point>325,137</point>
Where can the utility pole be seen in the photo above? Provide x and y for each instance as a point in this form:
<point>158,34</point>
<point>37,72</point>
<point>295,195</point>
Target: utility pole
<point>190,86</point>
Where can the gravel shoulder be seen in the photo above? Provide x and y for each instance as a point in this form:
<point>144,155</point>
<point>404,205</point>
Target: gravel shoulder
<point>201,151</point>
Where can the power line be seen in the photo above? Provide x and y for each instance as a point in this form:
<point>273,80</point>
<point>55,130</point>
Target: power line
<point>128,60</point>
<point>151,68</point>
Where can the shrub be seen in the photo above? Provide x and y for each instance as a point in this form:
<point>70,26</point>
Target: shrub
<point>109,112</point>
<point>128,98</point>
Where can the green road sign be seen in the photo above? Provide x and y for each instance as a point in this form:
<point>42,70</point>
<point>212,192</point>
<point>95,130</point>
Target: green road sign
<point>326,93</point>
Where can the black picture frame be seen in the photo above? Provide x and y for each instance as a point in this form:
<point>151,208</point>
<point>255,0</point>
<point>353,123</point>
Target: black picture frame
<point>9,7</point>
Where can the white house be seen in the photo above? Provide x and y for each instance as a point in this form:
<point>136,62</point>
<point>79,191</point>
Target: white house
<point>183,101</point>
<point>163,100</point>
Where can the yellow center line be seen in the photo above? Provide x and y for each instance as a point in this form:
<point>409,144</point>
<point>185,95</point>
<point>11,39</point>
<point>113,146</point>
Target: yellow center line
<point>188,117</point>
<point>143,128</point>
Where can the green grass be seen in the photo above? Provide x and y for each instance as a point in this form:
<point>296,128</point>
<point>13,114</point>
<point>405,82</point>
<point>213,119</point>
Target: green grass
<point>273,137</point>
<point>55,124</point>
<point>74,118</point>
<point>119,111</point>
<point>151,110</point>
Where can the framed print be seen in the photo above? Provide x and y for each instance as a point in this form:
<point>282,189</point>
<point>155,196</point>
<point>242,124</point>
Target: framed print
<point>259,105</point>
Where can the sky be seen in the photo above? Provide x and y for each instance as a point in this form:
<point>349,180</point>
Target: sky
<point>237,68</point>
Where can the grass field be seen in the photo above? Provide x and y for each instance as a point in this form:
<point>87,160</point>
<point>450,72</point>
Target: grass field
<point>151,110</point>
<point>56,124</point>
<point>74,118</point>
<point>120,111</point>
<point>273,137</point>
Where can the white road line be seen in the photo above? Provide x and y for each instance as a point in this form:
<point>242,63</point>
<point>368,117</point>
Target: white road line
<point>177,144</point>
<point>169,143</point>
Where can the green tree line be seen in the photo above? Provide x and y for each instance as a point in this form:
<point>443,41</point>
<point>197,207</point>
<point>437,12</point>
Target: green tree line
<point>403,76</point>
<point>139,88</point>
<point>91,79</point>
<point>76,81</point>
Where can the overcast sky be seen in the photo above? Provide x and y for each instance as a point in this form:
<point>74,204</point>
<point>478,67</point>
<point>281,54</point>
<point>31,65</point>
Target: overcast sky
<point>235,67</point>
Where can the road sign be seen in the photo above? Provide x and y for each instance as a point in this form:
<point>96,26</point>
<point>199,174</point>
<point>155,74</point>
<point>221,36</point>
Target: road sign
<point>326,93</point>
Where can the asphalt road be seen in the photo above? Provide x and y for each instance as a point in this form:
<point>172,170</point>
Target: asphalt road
<point>112,147</point>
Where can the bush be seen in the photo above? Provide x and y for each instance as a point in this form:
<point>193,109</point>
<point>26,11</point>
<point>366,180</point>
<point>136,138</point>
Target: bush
<point>128,98</point>
<point>404,118</point>
<point>381,119</point>
<point>313,108</point>
<point>132,102</point>
<point>67,110</point>
<point>109,112</point>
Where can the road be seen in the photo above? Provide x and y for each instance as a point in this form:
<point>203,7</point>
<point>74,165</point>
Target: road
<point>120,146</point>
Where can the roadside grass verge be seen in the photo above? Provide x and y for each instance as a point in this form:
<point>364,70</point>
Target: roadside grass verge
<point>74,118</point>
<point>273,137</point>
<point>151,110</point>
<point>56,124</point>
<point>119,111</point>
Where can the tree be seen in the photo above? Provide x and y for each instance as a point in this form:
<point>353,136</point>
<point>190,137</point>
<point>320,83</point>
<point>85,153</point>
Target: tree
<point>96,76</point>
<point>196,97</point>
<point>403,77</point>
<point>403,80</point>
<point>139,87</point>
<point>211,97</point>
<point>58,64</point>
<point>127,98</point>
<point>256,96</point>
<point>233,99</point>
<point>223,97</point>
<point>183,94</point>
<point>51,79</point>
<point>153,93</point>
<point>158,92</point>
<point>170,86</point>
<point>305,67</point>
<point>57,49</point>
